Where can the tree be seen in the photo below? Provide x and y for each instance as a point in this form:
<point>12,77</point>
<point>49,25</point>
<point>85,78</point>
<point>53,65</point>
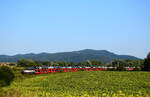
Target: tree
<point>26,63</point>
<point>147,63</point>
<point>45,63</point>
<point>129,63</point>
<point>88,63</point>
<point>118,64</point>
<point>12,64</point>
<point>115,63</point>
<point>79,64</point>
<point>54,63</point>
<point>71,64</point>
<point>96,63</point>
<point>38,63</point>
<point>61,63</point>
<point>6,75</point>
<point>120,67</point>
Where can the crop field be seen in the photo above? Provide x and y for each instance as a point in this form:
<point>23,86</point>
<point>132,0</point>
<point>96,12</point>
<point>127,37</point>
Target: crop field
<point>82,84</point>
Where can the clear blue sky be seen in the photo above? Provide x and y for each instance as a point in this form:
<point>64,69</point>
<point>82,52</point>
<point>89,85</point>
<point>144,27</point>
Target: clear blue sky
<point>35,26</point>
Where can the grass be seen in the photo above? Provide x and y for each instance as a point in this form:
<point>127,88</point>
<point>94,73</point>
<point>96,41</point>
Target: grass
<point>84,84</point>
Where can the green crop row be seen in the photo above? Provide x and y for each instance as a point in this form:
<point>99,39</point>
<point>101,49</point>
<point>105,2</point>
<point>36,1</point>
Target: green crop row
<point>82,84</point>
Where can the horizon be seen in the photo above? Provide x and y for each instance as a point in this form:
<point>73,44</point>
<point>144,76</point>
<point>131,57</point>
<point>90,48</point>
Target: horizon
<point>121,27</point>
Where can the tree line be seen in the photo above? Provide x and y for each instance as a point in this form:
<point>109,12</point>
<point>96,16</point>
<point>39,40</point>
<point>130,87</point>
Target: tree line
<point>31,63</point>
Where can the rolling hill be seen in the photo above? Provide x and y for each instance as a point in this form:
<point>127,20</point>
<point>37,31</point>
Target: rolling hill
<point>74,56</point>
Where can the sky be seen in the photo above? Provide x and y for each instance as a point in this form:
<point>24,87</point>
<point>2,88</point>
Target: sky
<point>35,26</point>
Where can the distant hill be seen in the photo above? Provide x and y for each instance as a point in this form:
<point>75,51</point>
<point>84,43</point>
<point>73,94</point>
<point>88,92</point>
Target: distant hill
<point>74,56</point>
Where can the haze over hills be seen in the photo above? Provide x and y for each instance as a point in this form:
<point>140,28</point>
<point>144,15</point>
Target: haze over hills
<point>74,56</point>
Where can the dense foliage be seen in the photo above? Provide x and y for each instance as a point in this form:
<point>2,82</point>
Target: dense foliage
<point>147,63</point>
<point>31,63</point>
<point>83,84</point>
<point>119,64</point>
<point>6,75</point>
<point>26,63</point>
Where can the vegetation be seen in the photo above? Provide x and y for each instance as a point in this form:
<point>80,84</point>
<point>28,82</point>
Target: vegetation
<point>26,63</point>
<point>31,63</point>
<point>6,75</point>
<point>127,63</point>
<point>12,64</point>
<point>119,64</point>
<point>83,84</point>
<point>147,63</point>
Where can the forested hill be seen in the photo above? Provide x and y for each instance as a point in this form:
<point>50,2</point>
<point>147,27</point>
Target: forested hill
<point>75,56</point>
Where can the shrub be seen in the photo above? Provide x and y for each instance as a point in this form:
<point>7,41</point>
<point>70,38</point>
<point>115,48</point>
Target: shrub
<point>6,76</point>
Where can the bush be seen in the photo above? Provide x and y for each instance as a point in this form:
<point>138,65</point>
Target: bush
<point>6,76</point>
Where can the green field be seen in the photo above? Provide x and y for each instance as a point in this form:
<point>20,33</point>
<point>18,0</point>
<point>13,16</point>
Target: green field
<point>84,84</point>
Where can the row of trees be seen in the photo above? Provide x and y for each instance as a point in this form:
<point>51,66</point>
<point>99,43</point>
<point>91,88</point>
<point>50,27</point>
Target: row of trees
<point>120,64</point>
<point>115,63</point>
<point>127,63</point>
<point>30,63</point>
<point>137,64</point>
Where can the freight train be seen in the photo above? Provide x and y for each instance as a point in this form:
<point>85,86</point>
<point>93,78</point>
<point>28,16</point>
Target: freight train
<point>53,69</point>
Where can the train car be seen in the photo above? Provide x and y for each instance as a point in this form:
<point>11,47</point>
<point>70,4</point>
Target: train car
<point>29,70</point>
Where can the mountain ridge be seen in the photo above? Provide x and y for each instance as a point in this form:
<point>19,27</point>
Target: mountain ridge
<point>73,56</point>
